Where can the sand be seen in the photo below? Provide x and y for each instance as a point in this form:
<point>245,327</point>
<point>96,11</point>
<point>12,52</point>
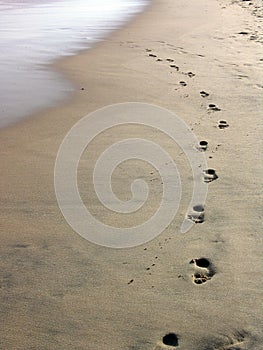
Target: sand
<point>60,291</point>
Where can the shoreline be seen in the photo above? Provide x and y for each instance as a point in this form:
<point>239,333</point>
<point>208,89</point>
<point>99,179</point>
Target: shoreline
<point>46,88</point>
<point>60,291</point>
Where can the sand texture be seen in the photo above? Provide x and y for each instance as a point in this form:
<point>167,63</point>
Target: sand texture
<point>200,290</point>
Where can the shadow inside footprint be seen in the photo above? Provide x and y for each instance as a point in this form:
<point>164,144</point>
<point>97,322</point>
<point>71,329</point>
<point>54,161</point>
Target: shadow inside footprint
<point>171,339</point>
<point>202,262</point>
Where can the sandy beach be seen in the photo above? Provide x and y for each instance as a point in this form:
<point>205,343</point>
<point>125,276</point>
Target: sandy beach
<point>200,290</point>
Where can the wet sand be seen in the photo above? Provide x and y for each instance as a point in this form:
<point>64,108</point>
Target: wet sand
<point>59,291</point>
<point>32,38</point>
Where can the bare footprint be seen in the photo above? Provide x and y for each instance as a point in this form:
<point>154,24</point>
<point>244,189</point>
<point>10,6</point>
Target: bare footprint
<point>174,66</point>
<point>213,107</point>
<point>190,74</point>
<point>210,175</point>
<point>202,146</point>
<point>182,83</point>
<point>169,341</point>
<point>197,215</point>
<point>222,124</point>
<point>204,94</point>
<point>204,270</point>
<point>234,341</point>
<point>20,245</point>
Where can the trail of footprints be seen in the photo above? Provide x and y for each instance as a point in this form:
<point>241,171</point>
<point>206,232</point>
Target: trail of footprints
<point>211,107</point>
<point>171,65</point>
<point>203,269</point>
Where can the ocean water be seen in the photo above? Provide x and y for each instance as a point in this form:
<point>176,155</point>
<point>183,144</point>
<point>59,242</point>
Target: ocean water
<point>34,33</point>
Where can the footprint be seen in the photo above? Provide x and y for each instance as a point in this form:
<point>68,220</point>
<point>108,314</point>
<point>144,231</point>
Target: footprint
<point>222,124</point>
<point>20,245</point>
<point>169,60</point>
<point>204,270</point>
<point>234,341</point>
<point>213,107</point>
<point>182,83</point>
<point>152,55</point>
<point>210,175</point>
<point>202,146</point>
<point>148,50</point>
<point>204,94</point>
<point>169,341</point>
<point>197,215</point>
<point>174,66</point>
<point>190,74</point>
<point>159,60</point>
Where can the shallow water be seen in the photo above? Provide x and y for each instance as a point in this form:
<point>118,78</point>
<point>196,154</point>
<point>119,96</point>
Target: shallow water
<point>35,33</point>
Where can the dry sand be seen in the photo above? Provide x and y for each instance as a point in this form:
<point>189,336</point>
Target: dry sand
<point>59,291</point>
